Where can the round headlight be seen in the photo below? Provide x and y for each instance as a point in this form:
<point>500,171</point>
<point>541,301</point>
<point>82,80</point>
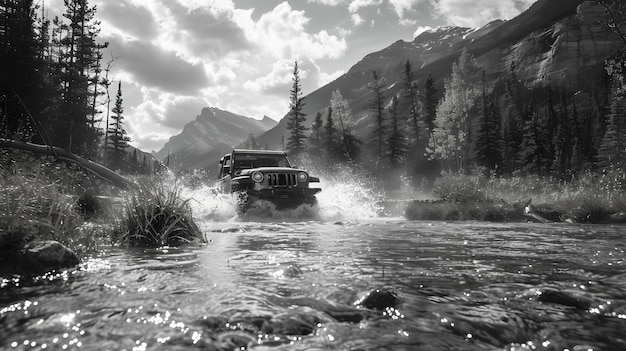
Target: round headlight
<point>303,177</point>
<point>257,177</point>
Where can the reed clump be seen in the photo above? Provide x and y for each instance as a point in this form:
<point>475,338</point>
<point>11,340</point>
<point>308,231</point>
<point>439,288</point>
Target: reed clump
<point>157,215</point>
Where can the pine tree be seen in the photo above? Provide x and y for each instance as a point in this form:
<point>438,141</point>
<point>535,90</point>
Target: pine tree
<point>378,113</point>
<point>78,61</point>
<point>529,150</point>
<point>429,102</point>
<point>411,95</point>
<point>118,139</point>
<point>487,141</point>
<point>331,138</point>
<point>396,140</point>
<point>296,142</point>
<point>22,70</point>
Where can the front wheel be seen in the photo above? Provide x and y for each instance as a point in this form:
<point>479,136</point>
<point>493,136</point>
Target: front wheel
<point>243,201</point>
<point>311,201</point>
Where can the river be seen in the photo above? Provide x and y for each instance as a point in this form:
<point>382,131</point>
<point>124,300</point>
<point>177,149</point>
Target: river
<point>298,281</point>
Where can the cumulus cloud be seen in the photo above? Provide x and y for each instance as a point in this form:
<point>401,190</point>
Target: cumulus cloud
<point>356,19</point>
<point>402,6</point>
<point>471,13</point>
<point>164,113</point>
<point>153,66</point>
<point>328,2</point>
<point>282,33</point>
<point>207,30</point>
<point>126,18</point>
<point>355,5</point>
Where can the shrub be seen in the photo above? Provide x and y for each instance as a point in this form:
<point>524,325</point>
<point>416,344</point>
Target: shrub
<point>458,187</point>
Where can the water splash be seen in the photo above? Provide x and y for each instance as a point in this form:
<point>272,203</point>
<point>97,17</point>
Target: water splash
<point>344,196</point>
<point>348,196</point>
<point>208,203</point>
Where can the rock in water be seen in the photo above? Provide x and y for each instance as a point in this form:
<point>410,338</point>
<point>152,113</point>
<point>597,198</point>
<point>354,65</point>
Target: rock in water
<point>379,300</point>
<point>41,256</point>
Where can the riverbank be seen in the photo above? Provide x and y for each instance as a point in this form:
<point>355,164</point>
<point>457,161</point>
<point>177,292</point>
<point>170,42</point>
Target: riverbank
<point>587,198</point>
<point>52,202</point>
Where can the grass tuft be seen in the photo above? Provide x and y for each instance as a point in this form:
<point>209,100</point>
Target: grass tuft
<point>156,215</point>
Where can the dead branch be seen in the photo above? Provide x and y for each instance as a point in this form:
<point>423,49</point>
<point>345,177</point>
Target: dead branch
<point>64,155</point>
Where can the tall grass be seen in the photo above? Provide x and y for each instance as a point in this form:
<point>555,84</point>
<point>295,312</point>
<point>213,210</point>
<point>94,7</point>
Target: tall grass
<point>157,215</point>
<point>36,203</point>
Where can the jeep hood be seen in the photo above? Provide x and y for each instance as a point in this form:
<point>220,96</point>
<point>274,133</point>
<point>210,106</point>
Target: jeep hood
<point>272,170</point>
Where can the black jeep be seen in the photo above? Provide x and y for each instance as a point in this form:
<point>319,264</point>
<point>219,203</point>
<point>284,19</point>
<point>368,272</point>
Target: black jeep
<point>254,175</point>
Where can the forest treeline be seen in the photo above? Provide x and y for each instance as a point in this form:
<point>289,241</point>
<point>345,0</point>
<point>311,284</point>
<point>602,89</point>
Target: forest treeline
<point>55,83</point>
<point>498,125</point>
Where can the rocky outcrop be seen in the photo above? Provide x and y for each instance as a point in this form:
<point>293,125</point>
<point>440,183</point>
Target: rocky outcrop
<point>38,257</point>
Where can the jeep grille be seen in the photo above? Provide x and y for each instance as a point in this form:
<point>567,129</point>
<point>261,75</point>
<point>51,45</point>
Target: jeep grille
<point>281,179</point>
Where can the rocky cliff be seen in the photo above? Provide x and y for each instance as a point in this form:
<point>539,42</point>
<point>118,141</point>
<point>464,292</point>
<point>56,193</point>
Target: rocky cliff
<point>570,52</point>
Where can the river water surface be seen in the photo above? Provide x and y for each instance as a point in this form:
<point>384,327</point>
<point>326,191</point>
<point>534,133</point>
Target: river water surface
<point>297,281</point>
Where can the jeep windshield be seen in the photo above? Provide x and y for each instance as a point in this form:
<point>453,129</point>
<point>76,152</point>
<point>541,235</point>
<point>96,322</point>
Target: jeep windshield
<point>247,161</point>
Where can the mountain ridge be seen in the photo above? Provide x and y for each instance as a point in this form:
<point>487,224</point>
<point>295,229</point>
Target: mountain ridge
<point>213,132</point>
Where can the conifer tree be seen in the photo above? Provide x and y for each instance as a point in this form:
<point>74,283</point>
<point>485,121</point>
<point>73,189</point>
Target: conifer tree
<point>331,138</point>
<point>487,141</point>
<point>78,59</point>
<point>378,113</point>
<point>429,102</point>
<point>296,142</point>
<point>411,94</point>
<point>118,139</point>
<point>21,70</point>
<point>529,150</point>
<point>396,140</point>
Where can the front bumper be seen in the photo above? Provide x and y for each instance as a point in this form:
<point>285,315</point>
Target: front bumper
<point>284,198</point>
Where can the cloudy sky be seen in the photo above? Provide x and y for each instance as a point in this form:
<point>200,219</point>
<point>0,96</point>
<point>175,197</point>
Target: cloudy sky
<point>175,57</point>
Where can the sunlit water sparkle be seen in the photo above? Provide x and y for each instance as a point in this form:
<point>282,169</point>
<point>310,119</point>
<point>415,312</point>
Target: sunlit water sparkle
<point>292,280</point>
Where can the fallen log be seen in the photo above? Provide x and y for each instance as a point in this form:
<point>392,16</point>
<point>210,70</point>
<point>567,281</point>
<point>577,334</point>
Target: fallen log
<point>97,169</point>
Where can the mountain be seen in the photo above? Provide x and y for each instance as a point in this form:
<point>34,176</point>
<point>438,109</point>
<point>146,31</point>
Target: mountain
<point>213,133</point>
<point>557,42</point>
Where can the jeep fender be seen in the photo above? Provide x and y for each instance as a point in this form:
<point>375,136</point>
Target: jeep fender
<point>241,183</point>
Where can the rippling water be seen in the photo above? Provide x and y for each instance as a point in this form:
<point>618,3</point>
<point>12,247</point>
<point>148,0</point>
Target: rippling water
<point>292,281</point>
